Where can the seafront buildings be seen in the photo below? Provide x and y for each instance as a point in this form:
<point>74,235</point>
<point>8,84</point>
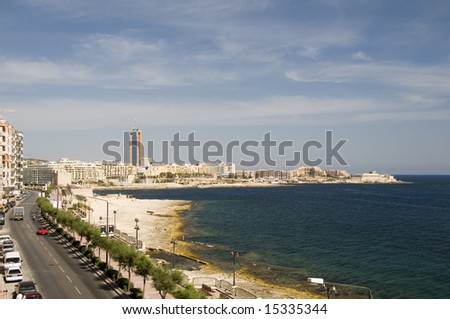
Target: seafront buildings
<point>138,169</point>
<point>109,173</point>
<point>11,142</point>
<point>73,172</point>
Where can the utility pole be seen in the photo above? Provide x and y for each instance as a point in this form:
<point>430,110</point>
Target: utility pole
<point>137,232</point>
<point>234,254</point>
<point>174,243</point>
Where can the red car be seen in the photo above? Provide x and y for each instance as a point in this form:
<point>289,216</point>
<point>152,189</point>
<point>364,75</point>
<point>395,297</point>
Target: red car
<point>42,231</point>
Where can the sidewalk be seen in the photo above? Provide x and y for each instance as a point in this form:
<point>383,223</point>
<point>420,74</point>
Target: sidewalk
<point>150,291</point>
<point>3,292</point>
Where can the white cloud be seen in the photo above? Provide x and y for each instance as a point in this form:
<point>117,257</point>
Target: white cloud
<point>429,79</point>
<point>26,72</point>
<point>66,114</point>
<point>114,47</point>
<point>361,56</point>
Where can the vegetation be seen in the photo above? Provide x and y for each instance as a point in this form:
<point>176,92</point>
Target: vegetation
<point>189,292</point>
<point>86,238</point>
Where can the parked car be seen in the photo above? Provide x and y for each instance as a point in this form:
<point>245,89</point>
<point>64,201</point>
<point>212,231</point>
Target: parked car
<point>12,259</point>
<point>13,274</point>
<point>32,295</point>
<point>42,230</point>
<point>4,237</point>
<point>24,288</point>
<point>6,247</point>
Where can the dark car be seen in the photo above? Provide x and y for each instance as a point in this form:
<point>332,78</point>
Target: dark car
<point>32,295</point>
<point>24,288</point>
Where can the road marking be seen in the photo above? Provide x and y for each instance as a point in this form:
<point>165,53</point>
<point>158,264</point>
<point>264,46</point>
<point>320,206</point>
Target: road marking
<point>55,261</point>
<point>61,269</point>
<point>68,278</point>
<point>78,290</point>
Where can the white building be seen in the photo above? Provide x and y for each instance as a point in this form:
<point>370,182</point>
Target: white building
<point>118,171</point>
<point>221,169</point>
<point>374,177</point>
<point>82,172</point>
<point>11,151</point>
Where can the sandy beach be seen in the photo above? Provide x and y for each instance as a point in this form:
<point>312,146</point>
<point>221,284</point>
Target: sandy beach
<point>159,224</point>
<point>158,219</point>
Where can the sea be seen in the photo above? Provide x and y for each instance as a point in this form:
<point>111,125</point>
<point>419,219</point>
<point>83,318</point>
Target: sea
<point>392,238</point>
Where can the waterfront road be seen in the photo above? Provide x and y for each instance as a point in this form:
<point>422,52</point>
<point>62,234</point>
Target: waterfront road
<point>58,271</point>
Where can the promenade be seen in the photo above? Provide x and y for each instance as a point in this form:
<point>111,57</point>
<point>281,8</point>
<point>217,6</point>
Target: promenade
<point>159,225</point>
<point>149,290</point>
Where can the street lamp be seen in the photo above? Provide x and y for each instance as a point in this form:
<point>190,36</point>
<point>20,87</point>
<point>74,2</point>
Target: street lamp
<point>234,254</point>
<point>137,232</point>
<point>174,243</point>
<point>115,213</point>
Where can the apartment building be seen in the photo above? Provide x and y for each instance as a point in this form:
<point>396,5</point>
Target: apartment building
<point>11,150</point>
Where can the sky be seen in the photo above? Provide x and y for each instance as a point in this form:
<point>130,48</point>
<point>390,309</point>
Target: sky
<point>80,73</point>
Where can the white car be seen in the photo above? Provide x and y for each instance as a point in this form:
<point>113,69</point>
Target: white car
<point>4,238</point>
<point>13,274</point>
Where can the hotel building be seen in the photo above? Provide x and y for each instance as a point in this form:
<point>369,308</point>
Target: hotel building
<point>136,148</point>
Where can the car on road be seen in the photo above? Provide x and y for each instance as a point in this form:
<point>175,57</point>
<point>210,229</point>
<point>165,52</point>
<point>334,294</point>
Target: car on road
<point>18,213</point>
<point>13,274</point>
<point>26,288</point>
<point>42,231</point>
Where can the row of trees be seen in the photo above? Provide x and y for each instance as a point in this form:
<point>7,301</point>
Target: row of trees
<point>70,226</point>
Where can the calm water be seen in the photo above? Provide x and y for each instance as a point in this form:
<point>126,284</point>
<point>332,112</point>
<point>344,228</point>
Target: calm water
<point>394,239</point>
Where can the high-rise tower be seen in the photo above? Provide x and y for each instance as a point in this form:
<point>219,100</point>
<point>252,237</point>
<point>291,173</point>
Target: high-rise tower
<point>136,148</point>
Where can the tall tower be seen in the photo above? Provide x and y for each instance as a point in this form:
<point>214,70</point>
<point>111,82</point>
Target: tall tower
<point>136,151</point>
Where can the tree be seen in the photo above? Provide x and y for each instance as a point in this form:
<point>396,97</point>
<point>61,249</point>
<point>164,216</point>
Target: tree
<point>163,282</point>
<point>125,255</point>
<point>144,268</point>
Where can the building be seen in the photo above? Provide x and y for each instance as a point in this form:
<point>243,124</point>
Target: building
<point>62,178</point>
<point>221,169</point>
<point>118,171</point>
<point>38,174</point>
<point>374,177</point>
<point>136,148</point>
<point>272,175</point>
<point>82,172</point>
<point>11,151</point>
<point>308,171</point>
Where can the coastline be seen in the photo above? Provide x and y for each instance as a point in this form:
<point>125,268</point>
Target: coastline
<point>164,224</point>
<point>173,185</point>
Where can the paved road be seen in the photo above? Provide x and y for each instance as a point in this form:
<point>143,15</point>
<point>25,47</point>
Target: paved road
<point>58,271</point>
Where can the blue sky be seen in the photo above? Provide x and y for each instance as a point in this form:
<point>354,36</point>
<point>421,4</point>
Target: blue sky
<point>376,73</point>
